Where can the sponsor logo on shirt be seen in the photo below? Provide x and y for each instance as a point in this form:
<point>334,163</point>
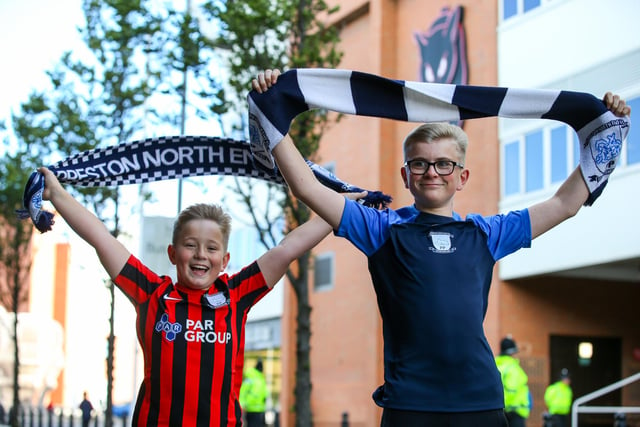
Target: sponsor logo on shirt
<point>199,331</point>
<point>170,330</point>
<point>441,242</point>
<point>195,331</point>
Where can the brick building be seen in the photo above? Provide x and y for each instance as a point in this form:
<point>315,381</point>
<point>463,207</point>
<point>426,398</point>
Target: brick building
<point>580,283</point>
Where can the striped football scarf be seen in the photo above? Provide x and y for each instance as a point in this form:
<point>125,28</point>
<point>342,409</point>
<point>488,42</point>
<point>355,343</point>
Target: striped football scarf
<point>162,158</point>
<point>270,114</point>
<point>600,132</point>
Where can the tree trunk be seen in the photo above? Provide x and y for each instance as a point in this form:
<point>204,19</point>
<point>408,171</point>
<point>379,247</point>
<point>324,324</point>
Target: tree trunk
<point>304,417</point>
<point>13,416</point>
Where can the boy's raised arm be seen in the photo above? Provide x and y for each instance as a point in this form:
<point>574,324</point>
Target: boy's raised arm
<point>571,195</point>
<point>113,255</point>
<point>327,203</point>
<point>274,263</point>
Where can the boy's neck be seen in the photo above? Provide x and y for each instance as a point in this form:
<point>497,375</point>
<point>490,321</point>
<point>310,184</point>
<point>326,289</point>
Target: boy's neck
<point>441,211</point>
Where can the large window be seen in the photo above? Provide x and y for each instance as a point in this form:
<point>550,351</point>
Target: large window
<point>323,271</point>
<point>559,163</point>
<point>545,157</point>
<point>512,168</point>
<point>633,139</point>
<point>511,8</point>
<point>534,161</point>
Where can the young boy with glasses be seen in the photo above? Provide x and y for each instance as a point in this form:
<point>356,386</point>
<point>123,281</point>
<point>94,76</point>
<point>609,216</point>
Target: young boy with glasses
<point>432,270</point>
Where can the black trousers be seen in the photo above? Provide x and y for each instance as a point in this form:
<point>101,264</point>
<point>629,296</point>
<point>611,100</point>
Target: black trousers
<point>399,418</point>
<point>516,420</point>
<point>255,419</point>
<point>558,420</point>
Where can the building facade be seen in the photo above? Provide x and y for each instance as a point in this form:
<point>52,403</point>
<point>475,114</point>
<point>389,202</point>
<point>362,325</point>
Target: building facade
<point>577,286</point>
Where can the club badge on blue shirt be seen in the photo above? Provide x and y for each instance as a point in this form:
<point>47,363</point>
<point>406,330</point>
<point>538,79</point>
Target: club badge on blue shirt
<point>441,242</point>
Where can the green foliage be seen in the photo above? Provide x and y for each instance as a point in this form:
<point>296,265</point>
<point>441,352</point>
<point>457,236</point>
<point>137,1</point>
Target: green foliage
<point>261,34</point>
<point>190,56</point>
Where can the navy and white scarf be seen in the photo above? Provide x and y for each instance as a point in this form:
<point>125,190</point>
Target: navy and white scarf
<point>600,132</point>
<point>351,92</point>
<point>168,157</point>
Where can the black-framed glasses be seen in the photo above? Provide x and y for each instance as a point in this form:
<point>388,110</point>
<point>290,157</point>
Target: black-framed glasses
<point>442,167</point>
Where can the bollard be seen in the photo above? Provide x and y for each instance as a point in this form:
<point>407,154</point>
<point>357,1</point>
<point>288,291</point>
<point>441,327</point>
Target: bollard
<point>345,420</point>
<point>620,420</point>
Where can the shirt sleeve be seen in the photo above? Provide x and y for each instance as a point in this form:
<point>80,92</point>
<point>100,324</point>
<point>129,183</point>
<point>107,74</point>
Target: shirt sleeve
<point>137,281</point>
<point>506,233</point>
<point>367,228</point>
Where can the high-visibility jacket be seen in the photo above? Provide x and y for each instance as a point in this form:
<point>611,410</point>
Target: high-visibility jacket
<point>253,392</point>
<point>515,384</point>
<point>558,398</point>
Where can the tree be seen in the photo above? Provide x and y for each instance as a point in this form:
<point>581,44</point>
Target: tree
<point>15,249</point>
<point>98,103</point>
<point>190,55</point>
<point>136,52</point>
<point>122,35</point>
<point>39,134</point>
<point>281,34</point>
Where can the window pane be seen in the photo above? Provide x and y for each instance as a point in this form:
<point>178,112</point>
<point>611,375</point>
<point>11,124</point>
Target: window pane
<point>511,169</point>
<point>558,154</point>
<point>633,138</point>
<point>533,161</point>
<point>530,4</point>
<point>323,271</point>
<point>509,8</point>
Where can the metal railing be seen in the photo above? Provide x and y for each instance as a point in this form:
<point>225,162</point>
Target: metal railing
<point>576,408</point>
<point>60,417</point>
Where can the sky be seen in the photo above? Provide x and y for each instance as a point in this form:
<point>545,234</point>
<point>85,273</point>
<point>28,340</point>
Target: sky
<point>33,36</point>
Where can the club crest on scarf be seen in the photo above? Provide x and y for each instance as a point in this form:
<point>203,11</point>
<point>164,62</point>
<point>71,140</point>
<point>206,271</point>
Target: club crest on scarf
<point>605,146</point>
<point>259,143</point>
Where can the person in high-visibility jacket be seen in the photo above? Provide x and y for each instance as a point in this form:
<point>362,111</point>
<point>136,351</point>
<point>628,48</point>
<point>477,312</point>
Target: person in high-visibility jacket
<point>517,400</point>
<point>253,396</point>
<point>558,397</point>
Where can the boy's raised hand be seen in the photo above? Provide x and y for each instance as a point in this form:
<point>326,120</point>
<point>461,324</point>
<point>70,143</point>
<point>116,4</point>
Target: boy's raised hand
<point>616,105</point>
<point>51,183</point>
<point>265,79</point>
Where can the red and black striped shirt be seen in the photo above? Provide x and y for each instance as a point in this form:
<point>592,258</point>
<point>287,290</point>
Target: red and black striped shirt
<point>193,345</point>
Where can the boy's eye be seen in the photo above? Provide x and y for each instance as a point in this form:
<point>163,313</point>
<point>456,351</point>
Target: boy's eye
<point>421,164</point>
<point>444,164</point>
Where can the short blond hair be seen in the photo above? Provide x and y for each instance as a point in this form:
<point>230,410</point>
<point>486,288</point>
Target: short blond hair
<point>429,132</point>
<point>203,211</point>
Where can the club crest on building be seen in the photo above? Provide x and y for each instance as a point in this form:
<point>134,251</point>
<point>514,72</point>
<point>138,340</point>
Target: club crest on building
<point>443,51</point>
<point>441,242</point>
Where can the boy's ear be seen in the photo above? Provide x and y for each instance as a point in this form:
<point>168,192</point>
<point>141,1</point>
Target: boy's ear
<point>171,251</point>
<point>225,260</point>
<point>403,173</point>
<point>464,177</point>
